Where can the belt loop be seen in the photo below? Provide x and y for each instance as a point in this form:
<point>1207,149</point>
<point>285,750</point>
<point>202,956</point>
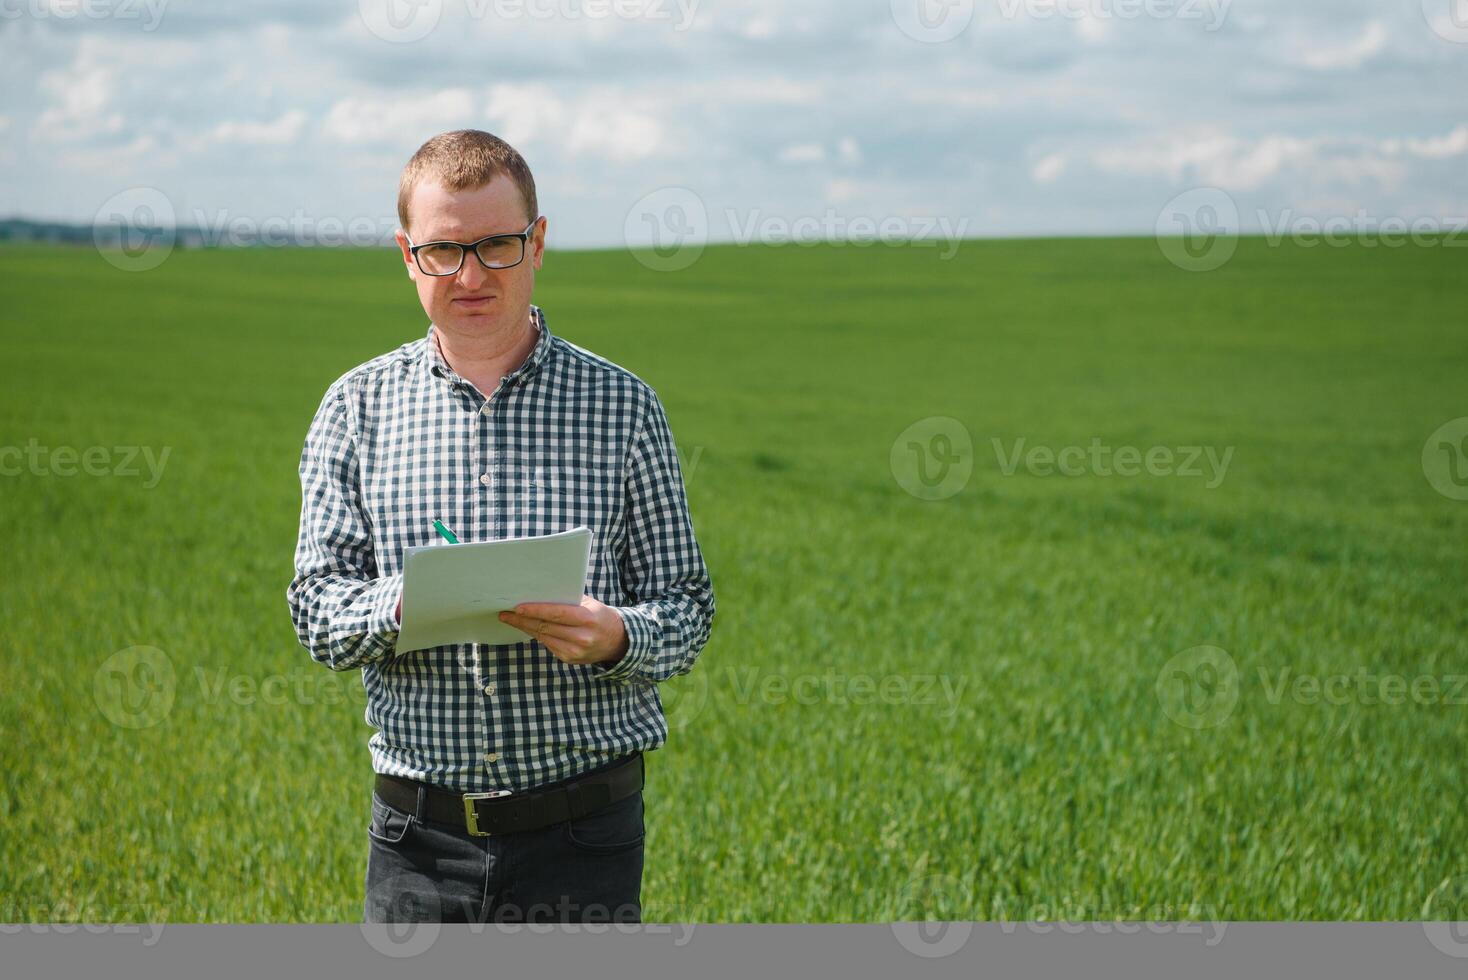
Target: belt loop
<point>422,802</point>
<point>573,801</point>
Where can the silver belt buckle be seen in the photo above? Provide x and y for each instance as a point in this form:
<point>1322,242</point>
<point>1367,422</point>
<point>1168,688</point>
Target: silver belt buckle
<point>471,815</point>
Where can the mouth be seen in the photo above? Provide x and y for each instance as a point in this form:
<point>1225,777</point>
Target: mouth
<point>474,302</point>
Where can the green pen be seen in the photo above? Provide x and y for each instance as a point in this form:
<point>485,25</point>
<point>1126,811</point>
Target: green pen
<point>445,532</point>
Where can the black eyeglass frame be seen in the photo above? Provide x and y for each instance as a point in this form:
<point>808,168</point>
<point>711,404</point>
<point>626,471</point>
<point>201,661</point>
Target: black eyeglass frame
<point>466,247</point>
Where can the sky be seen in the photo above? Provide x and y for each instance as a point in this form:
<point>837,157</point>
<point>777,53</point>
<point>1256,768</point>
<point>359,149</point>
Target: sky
<point>745,119</point>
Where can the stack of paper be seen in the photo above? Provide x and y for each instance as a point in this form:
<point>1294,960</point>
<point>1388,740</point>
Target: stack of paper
<point>454,593</point>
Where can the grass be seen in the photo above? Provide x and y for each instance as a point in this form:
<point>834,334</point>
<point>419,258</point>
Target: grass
<point>818,769</point>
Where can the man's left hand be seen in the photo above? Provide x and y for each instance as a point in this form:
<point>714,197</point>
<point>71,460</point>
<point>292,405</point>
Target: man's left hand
<point>590,633</point>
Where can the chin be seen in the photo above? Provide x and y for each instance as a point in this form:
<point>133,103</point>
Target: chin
<point>471,321</point>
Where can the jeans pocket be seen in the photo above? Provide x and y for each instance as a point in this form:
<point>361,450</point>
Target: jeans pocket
<point>611,829</point>
<point>388,825</point>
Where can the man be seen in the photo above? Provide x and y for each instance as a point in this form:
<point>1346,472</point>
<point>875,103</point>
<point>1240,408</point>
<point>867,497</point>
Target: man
<point>509,777</point>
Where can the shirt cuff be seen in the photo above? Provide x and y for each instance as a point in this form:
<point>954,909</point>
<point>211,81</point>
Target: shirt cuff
<point>640,641</point>
<point>383,626</point>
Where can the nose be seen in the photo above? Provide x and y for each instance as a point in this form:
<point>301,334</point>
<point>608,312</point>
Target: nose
<point>472,274</point>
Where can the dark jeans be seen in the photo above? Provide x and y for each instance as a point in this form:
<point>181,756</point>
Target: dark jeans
<point>586,870</point>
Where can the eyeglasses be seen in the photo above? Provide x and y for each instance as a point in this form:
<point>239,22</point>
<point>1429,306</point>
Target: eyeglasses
<point>494,252</point>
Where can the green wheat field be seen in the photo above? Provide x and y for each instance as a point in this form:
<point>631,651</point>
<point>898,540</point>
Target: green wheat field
<point>992,704</point>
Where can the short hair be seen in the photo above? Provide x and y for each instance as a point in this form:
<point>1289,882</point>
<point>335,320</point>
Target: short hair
<point>463,159</point>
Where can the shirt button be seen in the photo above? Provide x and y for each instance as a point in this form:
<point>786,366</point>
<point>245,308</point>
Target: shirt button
<point>489,689</point>
<point>486,479</point>
<point>491,757</point>
<point>485,409</point>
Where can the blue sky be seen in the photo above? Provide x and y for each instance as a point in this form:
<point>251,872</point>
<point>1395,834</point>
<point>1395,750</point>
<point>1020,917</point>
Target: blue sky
<point>981,117</point>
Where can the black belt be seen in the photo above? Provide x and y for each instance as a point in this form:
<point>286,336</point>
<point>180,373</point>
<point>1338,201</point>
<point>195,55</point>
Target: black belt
<point>503,812</point>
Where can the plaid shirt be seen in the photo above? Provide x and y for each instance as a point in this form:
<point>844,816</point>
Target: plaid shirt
<point>567,438</point>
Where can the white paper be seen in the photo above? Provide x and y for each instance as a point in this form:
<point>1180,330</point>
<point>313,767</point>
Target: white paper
<point>454,593</point>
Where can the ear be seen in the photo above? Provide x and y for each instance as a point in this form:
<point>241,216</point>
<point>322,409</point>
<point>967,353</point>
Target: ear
<point>537,242</point>
<point>401,238</point>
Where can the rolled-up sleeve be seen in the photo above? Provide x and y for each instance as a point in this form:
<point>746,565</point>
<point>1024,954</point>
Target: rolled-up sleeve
<point>344,613</point>
<point>671,609</point>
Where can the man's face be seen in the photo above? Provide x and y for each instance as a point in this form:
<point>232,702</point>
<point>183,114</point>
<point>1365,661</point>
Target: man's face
<point>475,301</point>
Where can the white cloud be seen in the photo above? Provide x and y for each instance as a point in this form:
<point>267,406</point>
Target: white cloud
<point>1350,55</point>
<point>601,122</point>
<point>1453,144</point>
<point>618,134</point>
<point>141,151</point>
<point>1094,30</point>
<point>759,28</point>
<point>803,153</point>
<point>1215,158</point>
<point>393,119</point>
<point>279,132</point>
<point>848,153</point>
<point>81,106</point>
<point>520,114</point>
<point>1048,169</point>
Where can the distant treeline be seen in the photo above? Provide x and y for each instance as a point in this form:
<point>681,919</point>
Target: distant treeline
<point>237,233</point>
<point>63,233</point>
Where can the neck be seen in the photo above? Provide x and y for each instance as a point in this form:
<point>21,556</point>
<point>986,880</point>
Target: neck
<point>483,359</point>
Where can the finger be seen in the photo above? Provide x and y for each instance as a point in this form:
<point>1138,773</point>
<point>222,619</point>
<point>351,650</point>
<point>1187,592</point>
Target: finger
<point>569,653</point>
<point>569,634</point>
<point>555,612</point>
<point>540,629</point>
<point>526,624</point>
